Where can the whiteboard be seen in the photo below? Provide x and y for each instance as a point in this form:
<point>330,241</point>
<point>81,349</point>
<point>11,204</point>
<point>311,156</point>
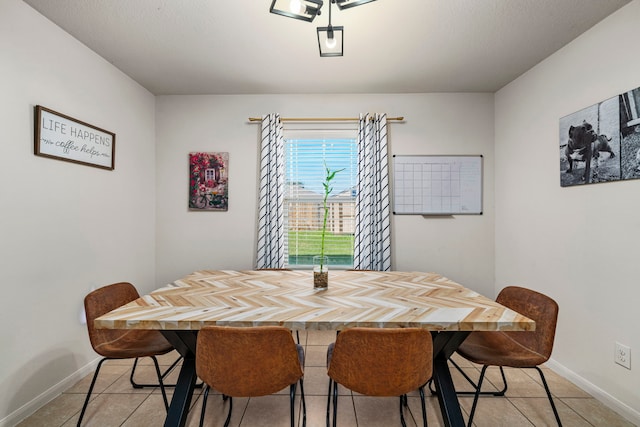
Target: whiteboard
<point>437,185</point>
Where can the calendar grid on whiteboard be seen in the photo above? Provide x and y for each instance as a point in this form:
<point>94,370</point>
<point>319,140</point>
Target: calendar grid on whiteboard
<point>437,185</point>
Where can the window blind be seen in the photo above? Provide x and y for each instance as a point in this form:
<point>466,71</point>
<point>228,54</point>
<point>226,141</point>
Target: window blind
<point>306,160</point>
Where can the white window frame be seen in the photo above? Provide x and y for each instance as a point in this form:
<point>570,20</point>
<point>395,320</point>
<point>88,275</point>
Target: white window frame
<point>302,131</point>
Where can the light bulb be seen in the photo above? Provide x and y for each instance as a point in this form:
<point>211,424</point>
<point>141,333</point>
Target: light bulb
<point>330,42</point>
<point>295,6</point>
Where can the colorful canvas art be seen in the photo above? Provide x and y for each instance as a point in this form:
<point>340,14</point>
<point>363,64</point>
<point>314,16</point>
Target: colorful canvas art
<point>208,181</point>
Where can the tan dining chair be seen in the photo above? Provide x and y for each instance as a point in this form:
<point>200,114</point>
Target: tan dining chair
<point>380,362</point>
<point>516,349</point>
<point>120,344</point>
<point>249,362</point>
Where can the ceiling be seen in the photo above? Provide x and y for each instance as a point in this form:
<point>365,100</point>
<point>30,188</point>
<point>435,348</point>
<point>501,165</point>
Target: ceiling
<point>391,46</point>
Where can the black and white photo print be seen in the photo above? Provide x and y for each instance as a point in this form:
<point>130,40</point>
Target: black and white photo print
<point>630,134</point>
<point>590,144</point>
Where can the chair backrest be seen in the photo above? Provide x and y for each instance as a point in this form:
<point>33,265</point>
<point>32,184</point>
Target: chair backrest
<point>381,361</point>
<point>101,301</point>
<point>535,306</point>
<point>247,361</point>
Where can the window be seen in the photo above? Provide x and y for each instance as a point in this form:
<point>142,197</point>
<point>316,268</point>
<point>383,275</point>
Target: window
<point>300,161</point>
<point>305,159</point>
<point>210,176</point>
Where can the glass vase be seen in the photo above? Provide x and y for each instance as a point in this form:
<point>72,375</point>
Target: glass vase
<point>320,272</point>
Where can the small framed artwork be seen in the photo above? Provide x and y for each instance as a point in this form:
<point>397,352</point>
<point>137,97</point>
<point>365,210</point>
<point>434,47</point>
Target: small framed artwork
<point>61,137</point>
<point>208,181</point>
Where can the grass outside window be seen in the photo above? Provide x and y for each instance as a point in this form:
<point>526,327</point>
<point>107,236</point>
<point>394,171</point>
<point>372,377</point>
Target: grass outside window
<point>303,245</point>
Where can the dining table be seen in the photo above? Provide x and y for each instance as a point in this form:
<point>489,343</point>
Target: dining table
<point>378,299</point>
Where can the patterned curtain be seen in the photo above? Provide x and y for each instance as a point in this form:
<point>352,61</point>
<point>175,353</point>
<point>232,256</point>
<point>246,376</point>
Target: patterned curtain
<point>270,252</point>
<point>373,224</point>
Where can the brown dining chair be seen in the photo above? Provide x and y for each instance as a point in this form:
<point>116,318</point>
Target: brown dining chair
<point>380,362</point>
<point>516,349</point>
<point>120,344</point>
<point>249,362</point>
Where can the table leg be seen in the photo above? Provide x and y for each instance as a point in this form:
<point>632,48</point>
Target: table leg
<point>184,342</point>
<point>445,343</point>
<point>181,400</point>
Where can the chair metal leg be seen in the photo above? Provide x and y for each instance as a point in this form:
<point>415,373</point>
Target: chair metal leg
<point>304,404</point>
<point>333,393</point>
<point>95,377</point>
<point>164,392</point>
<point>504,381</point>
<point>404,401</point>
<point>424,407</point>
<point>335,403</point>
<point>402,404</point>
<point>430,384</point>
<point>329,400</point>
<point>292,404</point>
<point>226,423</point>
<point>204,405</point>
<point>477,395</point>
<point>546,387</point>
<point>470,381</point>
<point>164,375</point>
<point>93,383</point>
<point>478,391</point>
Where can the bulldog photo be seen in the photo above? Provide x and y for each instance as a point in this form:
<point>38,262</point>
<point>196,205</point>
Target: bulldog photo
<point>590,145</point>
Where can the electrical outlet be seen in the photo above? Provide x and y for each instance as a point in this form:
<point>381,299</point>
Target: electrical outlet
<point>622,355</point>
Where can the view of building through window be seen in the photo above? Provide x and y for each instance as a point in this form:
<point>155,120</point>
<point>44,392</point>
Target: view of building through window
<point>306,161</point>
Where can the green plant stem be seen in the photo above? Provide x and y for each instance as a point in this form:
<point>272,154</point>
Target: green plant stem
<point>324,228</point>
<point>327,191</point>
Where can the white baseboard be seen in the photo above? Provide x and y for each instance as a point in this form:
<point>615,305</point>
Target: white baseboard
<point>47,396</point>
<point>616,405</point>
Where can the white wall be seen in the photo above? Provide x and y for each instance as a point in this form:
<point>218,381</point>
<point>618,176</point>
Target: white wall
<point>459,247</point>
<point>64,228</point>
<point>577,244</point>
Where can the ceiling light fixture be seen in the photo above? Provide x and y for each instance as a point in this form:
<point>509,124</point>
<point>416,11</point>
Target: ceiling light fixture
<point>330,39</point>
<point>304,10</point>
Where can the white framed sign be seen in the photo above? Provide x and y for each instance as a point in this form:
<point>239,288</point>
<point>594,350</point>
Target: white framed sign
<point>64,138</point>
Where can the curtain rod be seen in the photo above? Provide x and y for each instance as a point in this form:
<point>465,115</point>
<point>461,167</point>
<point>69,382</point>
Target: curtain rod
<point>321,119</point>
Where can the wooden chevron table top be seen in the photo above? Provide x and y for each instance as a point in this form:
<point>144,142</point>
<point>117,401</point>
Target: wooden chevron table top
<point>287,298</point>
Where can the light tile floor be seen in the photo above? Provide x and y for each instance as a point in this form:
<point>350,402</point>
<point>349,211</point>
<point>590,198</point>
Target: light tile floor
<point>116,403</point>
